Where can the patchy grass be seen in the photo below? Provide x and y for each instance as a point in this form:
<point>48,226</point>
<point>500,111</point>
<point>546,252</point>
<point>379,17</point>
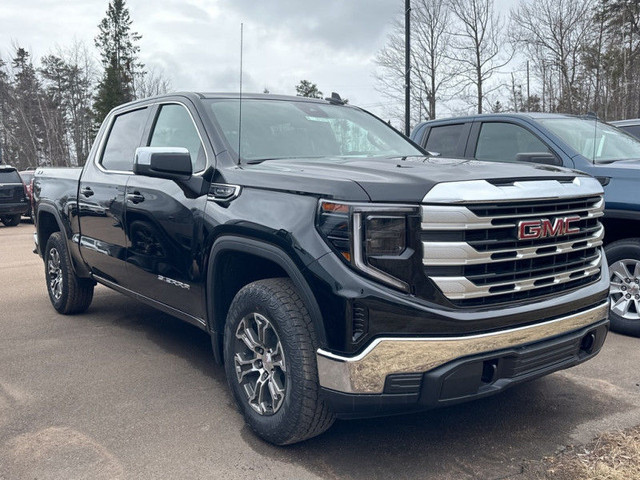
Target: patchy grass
<point>611,456</point>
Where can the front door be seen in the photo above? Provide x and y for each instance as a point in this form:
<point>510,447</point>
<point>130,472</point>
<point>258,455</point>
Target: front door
<point>101,196</point>
<point>164,222</point>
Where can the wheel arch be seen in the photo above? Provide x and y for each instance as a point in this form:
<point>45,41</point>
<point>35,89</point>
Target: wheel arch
<point>267,261</point>
<point>619,224</point>
<point>49,221</point>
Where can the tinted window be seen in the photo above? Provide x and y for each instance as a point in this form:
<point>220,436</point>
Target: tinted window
<point>174,128</point>
<point>502,142</point>
<point>633,130</point>
<point>124,138</point>
<point>444,140</point>
<point>277,129</point>
<point>9,176</point>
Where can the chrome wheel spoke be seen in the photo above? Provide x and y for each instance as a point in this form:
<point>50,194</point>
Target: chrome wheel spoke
<point>277,392</point>
<point>616,287</point>
<point>279,358</point>
<point>619,269</point>
<point>247,336</point>
<point>244,367</point>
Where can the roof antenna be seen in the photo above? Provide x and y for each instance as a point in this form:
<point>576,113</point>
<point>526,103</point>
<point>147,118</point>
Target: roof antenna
<point>240,101</point>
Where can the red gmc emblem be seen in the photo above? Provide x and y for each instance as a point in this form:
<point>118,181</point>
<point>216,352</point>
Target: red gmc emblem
<point>532,229</point>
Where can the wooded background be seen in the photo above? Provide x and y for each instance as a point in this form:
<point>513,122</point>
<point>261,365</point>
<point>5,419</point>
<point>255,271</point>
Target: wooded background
<point>570,56</point>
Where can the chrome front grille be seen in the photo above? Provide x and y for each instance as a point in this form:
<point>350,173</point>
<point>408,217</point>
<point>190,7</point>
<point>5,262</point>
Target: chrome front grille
<point>472,253</point>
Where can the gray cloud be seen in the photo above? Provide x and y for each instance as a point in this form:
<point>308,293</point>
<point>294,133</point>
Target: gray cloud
<point>348,25</point>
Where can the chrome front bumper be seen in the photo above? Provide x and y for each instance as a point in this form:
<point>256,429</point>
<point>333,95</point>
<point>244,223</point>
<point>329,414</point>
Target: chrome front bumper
<point>366,372</point>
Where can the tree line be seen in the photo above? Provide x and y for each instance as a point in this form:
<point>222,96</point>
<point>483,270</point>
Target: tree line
<point>50,112</point>
<point>570,56</point>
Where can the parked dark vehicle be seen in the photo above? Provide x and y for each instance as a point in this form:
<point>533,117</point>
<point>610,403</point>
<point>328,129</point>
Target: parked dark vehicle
<point>13,196</point>
<point>581,143</point>
<point>27,176</point>
<point>631,126</point>
<point>338,270</point>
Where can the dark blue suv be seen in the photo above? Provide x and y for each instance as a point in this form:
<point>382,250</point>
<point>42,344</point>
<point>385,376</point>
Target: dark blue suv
<point>580,143</point>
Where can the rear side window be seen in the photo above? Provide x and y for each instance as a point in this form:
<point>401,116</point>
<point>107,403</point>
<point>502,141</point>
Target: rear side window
<point>124,137</point>
<point>9,176</point>
<point>633,130</point>
<point>174,128</point>
<point>502,142</point>
<point>444,139</point>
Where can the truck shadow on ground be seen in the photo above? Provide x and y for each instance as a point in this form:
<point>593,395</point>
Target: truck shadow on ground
<point>487,438</point>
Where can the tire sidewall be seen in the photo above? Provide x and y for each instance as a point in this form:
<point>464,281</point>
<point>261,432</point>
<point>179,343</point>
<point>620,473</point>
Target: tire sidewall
<point>621,250</point>
<point>275,428</point>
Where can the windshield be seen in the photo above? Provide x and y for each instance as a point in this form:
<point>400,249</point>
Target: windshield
<point>9,176</point>
<point>597,141</point>
<point>278,129</point>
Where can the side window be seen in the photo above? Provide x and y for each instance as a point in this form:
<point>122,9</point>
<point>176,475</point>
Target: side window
<point>444,139</point>
<point>174,128</point>
<point>633,130</point>
<point>502,142</point>
<point>124,137</point>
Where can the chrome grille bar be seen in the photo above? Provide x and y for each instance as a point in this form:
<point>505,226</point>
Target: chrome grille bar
<point>453,217</point>
<point>459,288</point>
<point>461,253</point>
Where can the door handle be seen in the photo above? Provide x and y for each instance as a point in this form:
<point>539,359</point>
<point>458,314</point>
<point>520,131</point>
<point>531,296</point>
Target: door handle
<point>135,197</point>
<point>87,192</point>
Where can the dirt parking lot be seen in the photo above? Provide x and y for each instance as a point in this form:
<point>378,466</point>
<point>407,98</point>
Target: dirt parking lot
<point>124,391</point>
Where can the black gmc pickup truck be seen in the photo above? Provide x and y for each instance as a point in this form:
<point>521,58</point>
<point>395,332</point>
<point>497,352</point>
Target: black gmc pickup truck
<point>338,269</point>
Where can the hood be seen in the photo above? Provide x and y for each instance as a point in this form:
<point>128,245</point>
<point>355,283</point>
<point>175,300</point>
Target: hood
<point>382,179</point>
<point>620,168</point>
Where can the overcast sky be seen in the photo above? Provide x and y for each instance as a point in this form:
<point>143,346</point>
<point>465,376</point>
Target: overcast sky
<point>197,42</point>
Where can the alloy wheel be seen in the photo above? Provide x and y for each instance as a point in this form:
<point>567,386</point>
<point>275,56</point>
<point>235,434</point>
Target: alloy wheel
<point>55,273</point>
<point>260,364</point>
<point>625,288</point>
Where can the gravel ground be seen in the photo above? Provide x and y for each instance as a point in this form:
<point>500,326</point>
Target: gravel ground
<point>124,391</point>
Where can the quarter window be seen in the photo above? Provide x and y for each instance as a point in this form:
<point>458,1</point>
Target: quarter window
<point>174,128</point>
<point>502,142</point>
<point>124,137</point>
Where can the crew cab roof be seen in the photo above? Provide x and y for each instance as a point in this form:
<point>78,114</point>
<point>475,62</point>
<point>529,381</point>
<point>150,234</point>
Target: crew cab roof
<point>495,116</point>
<point>221,95</point>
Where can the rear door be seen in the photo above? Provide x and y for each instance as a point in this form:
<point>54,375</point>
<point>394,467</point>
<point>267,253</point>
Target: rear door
<point>164,219</point>
<point>101,196</point>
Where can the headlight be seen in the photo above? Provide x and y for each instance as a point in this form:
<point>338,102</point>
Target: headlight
<point>385,236</point>
<point>370,237</point>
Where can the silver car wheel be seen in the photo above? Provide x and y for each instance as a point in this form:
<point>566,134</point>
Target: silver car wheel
<point>260,364</point>
<point>625,288</point>
<point>55,274</point>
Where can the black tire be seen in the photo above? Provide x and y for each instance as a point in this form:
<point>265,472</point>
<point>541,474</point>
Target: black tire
<point>69,294</point>
<point>11,220</point>
<point>625,252</point>
<point>302,413</point>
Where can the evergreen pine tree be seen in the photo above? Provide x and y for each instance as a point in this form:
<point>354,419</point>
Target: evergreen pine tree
<point>119,54</point>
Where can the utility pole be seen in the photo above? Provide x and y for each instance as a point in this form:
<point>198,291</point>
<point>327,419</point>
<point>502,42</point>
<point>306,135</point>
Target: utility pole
<point>528,94</point>
<point>407,67</point>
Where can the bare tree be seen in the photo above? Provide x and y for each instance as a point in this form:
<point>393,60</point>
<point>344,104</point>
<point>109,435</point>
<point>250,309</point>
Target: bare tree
<point>430,76</point>
<point>555,33</point>
<point>152,83</point>
<point>479,46</point>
